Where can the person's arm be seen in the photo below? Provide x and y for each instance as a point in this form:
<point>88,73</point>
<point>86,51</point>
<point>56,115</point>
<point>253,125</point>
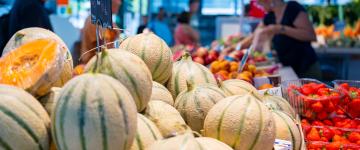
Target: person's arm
<point>191,33</point>
<point>247,41</point>
<point>302,31</point>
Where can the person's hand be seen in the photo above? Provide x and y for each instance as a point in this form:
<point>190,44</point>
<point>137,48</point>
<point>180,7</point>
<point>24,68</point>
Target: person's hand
<point>264,34</point>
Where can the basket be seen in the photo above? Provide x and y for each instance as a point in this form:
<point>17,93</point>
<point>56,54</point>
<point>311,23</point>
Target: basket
<point>303,104</point>
<point>347,102</point>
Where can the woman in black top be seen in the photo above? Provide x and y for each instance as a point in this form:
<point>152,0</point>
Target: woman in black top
<point>291,31</point>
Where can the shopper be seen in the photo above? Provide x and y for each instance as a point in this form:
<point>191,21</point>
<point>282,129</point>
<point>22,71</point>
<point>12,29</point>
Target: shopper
<point>143,25</point>
<point>160,26</point>
<point>193,10</point>
<point>88,35</point>
<point>28,13</point>
<point>291,31</point>
<point>184,33</point>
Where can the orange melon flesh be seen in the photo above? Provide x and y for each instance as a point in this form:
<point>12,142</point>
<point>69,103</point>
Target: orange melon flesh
<point>24,66</point>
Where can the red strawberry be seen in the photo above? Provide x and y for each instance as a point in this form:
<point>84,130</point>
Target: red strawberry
<point>317,107</point>
<point>354,137</point>
<point>334,146</point>
<point>345,86</point>
<point>313,135</point>
<point>307,90</point>
<point>322,115</point>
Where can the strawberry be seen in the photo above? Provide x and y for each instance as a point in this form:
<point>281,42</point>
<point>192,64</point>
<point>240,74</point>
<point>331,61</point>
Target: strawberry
<point>334,146</point>
<point>328,123</point>
<point>322,115</point>
<point>327,133</point>
<point>307,90</point>
<point>354,137</point>
<point>345,86</point>
<point>313,135</point>
<point>323,92</point>
<point>317,107</point>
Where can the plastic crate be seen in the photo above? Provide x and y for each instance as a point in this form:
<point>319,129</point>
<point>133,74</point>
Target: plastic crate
<point>345,103</point>
<point>323,144</point>
<point>302,104</point>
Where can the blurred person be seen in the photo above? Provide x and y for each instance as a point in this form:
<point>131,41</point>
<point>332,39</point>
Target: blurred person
<point>143,25</point>
<point>28,13</point>
<point>184,33</point>
<point>88,35</point>
<point>160,27</point>
<point>193,9</point>
<point>288,26</point>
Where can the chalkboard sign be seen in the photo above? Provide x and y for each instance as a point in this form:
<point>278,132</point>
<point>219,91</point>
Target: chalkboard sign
<point>101,12</point>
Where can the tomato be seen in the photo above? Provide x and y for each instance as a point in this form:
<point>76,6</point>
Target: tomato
<point>313,135</point>
<point>307,90</point>
<point>322,115</point>
<point>334,146</point>
<point>317,107</point>
<point>323,91</point>
<point>354,137</point>
<point>345,86</point>
<point>327,133</point>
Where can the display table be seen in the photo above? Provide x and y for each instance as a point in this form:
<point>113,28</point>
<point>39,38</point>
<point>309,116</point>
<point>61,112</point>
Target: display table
<point>287,73</point>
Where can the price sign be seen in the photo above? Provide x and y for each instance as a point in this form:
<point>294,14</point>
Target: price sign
<point>101,13</point>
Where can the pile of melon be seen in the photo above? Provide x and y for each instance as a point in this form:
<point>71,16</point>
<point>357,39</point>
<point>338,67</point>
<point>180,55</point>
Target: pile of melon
<point>130,98</point>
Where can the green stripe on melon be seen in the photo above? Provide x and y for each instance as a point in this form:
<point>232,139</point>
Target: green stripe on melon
<point>286,129</point>
<point>155,53</point>
<point>242,122</point>
<point>187,70</point>
<point>147,133</point>
<point>23,124</point>
<point>94,111</point>
<point>130,70</point>
<point>194,103</point>
<point>159,92</point>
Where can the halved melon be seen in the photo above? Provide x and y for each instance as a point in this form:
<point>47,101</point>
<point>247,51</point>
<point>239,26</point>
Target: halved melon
<point>35,66</point>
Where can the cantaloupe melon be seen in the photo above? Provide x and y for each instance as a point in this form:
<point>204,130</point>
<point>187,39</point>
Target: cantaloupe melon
<point>94,111</point>
<point>35,66</point>
<point>236,87</point>
<point>166,118</point>
<point>187,70</point>
<point>180,142</point>
<point>194,103</point>
<point>49,100</point>
<point>212,144</point>
<point>129,69</point>
<point>242,122</point>
<point>64,71</point>
<point>23,122</point>
<point>155,53</point>
<point>147,133</point>
<point>279,103</point>
<point>159,92</point>
<point>286,129</point>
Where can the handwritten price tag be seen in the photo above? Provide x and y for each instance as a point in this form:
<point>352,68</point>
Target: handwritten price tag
<point>101,13</point>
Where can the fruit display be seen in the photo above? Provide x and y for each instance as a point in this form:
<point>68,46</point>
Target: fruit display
<point>166,118</point>
<point>24,123</point>
<point>312,99</point>
<point>146,133</point>
<point>154,52</point>
<point>229,70</point>
<point>188,70</point>
<point>287,129</point>
<point>351,101</point>
<point>335,134</point>
<point>161,93</point>
<point>87,116</point>
<point>119,64</point>
<point>194,103</point>
<point>242,122</point>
